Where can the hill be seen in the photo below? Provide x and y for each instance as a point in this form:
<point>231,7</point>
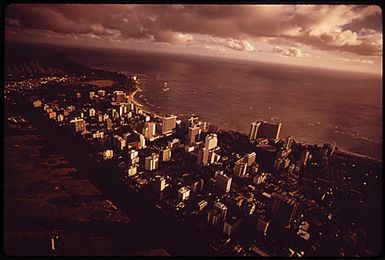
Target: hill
<point>58,64</point>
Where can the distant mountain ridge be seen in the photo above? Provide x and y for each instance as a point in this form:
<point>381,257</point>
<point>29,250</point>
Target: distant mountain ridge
<point>58,64</point>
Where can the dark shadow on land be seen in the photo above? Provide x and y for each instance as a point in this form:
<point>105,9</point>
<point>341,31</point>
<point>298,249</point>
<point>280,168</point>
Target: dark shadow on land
<point>73,200</point>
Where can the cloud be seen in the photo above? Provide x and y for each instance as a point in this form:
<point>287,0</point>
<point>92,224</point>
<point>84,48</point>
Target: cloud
<point>247,46</point>
<point>291,52</point>
<point>93,36</point>
<point>97,28</point>
<point>363,61</point>
<point>345,28</point>
<point>326,28</point>
<point>230,43</point>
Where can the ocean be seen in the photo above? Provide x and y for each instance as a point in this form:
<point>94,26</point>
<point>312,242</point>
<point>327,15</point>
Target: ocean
<point>313,105</point>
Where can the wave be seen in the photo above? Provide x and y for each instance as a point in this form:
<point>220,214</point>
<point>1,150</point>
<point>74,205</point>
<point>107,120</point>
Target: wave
<point>357,136</point>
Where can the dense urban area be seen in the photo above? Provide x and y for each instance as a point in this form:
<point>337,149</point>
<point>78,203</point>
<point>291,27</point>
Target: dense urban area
<point>258,194</point>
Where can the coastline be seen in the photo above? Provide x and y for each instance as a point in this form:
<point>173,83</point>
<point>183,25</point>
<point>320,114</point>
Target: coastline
<point>357,155</point>
<point>141,106</point>
<point>339,151</point>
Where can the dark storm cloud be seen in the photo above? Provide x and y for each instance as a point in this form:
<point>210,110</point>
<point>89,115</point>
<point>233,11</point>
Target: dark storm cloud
<point>354,29</point>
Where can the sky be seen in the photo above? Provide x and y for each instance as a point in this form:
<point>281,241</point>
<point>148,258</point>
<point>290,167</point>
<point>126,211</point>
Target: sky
<point>345,37</point>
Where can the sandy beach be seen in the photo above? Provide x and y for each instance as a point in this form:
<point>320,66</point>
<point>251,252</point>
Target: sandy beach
<point>133,100</point>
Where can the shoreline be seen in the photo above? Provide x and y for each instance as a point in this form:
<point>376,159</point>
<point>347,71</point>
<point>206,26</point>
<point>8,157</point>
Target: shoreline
<point>357,155</point>
<point>141,106</point>
<point>339,150</point>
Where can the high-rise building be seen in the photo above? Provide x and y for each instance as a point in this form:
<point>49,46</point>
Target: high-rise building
<point>151,162</point>
<point>260,178</point>
<point>122,110</point>
<point>328,150</point>
<point>223,182</point>
<point>174,143</point>
<point>132,169</point>
<point>160,183</point>
<point>218,172</point>
<point>253,130</point>
<point>254,169</point>
<point>152,128</point>
<point>70,108</point>
<point>60,118</point>
<point>108,154</point>
<point>288,143</point>
<point>281,164</point>
<point>203,126</point>
<point>138,110</point>
<point>202,204</point>
<point>78,125</point>
<point>147,118</point>
<point>264,130</point>
<point>142,142</point>
<point>284,210</point>
<point>305,155</point>
<point>168,124</point>
<point>100,117</point>
<point>283,153</point>
<point>98,135</point>
<point>232,224</point>
<point>149,130</point>
<point>213,216</point>
<point>101,93</point>
<point>131,107</point>
<point>286,163</point>
<point>263,226</point>
<point>248,207</point>
<point>92,112</point>
<point>118,142</point>
<point>222,209</point>
<point>211,141</point>
<point>108,123</point>
<point>197,186</point>
<point>37,103</point>
<point>183,193</point>
<point>240,168</point>
<point>166,154</point>
<point>133,157</point>
<point>297,168</point>
<point>132,154</point>
<point>213,156</point>
<point>129,115</point>
<point>193,134</point>
<point>203,156</point>
<point>120,96</point>
<point>249,158</point>
<point>146,132</point>
<point>276,202</point>
<point>191,121</point>
<point>52,115</point>
<point>291,169</point>
<point>114,114</point>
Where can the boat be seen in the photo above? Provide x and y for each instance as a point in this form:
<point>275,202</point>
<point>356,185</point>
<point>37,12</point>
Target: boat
<point>165,88</point>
